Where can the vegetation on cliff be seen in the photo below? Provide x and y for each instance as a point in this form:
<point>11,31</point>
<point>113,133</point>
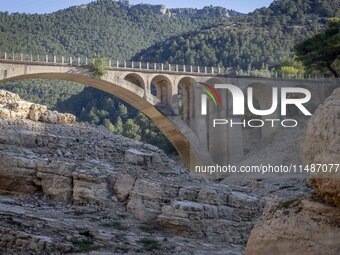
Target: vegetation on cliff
<point>99,67</point>
<point>105,27</point>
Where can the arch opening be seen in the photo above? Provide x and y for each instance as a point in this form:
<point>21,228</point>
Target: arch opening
<point>135,79</point>
<point>162,89</point>
<point>184,98</point>
<point>291,110</point>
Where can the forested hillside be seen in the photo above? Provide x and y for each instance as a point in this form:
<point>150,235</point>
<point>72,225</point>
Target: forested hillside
<point>96,107</point>
<point>262,37</point>
<point>104,27</point>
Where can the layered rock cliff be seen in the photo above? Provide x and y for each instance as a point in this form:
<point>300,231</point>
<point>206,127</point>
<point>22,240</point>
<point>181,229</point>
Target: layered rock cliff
<point>70,187</point>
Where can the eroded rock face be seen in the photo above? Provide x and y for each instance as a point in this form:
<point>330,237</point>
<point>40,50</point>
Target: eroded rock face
<point>89,167</point>
<point>310,226</point>
<point>213,213</point>
<point>22,242</point>
<point>11,106</point>
<point>322,146</point>
<point>123,187</point>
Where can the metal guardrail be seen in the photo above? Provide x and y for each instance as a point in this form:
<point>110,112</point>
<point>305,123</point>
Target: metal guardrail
<point>116,64</point>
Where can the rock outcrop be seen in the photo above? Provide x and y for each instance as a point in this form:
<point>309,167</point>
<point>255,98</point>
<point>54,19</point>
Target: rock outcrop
<point>213,213</point>
<point>11,106</point>
<point>296,228</point>
<point>322,146</point>
<point>309,225</point>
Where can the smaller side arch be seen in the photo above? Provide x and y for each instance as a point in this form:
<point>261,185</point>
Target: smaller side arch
<point>161,87</point>
<point>135,79</point>
<point>184,97</point>
<point>262,95</point>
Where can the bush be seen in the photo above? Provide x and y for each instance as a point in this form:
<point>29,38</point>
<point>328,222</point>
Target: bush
<point>99,67</point>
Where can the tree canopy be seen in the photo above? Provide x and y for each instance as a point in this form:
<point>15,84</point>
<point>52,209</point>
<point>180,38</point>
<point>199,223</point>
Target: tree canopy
<point>322,51</point>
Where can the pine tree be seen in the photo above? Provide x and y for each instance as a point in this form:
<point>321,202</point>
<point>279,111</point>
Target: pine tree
<point>119,126</point>
<point>93,118</point>
<point>131,130</point>
<point>109,126</point>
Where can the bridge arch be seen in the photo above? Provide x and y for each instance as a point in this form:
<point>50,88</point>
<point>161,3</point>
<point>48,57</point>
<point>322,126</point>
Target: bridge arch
<point>186,145</point>
<point>190,141</point>
<point>163,88</point>
<point>184,97</point>
<point>135,79</point>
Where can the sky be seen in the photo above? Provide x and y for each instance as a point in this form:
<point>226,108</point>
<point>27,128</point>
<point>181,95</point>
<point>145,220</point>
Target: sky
<point>47,6</point>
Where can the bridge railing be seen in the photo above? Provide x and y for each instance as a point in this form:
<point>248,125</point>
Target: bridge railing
<point>166,67</point>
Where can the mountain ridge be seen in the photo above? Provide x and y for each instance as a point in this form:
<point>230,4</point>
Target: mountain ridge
<point>104,27</point>
<point>264,36</point>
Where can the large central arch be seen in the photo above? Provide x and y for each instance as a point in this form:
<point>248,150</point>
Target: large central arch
<point>171,126</point>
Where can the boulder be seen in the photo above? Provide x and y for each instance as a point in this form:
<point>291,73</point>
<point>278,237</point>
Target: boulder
<point>322,146</point>
<point>145,200</point>
<point>123,186</point>
<point>137,157</point>
<point>309,228</point>
<point>56,180</point>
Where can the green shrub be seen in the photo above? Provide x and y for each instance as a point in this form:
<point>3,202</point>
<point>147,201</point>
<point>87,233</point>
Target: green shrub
<point>99,67</point>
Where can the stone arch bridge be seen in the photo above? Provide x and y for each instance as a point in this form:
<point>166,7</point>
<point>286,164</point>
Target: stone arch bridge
<point>155,89</point>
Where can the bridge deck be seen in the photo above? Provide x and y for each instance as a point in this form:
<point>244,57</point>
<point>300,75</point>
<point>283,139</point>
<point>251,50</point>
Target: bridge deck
<point>148,67</point>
